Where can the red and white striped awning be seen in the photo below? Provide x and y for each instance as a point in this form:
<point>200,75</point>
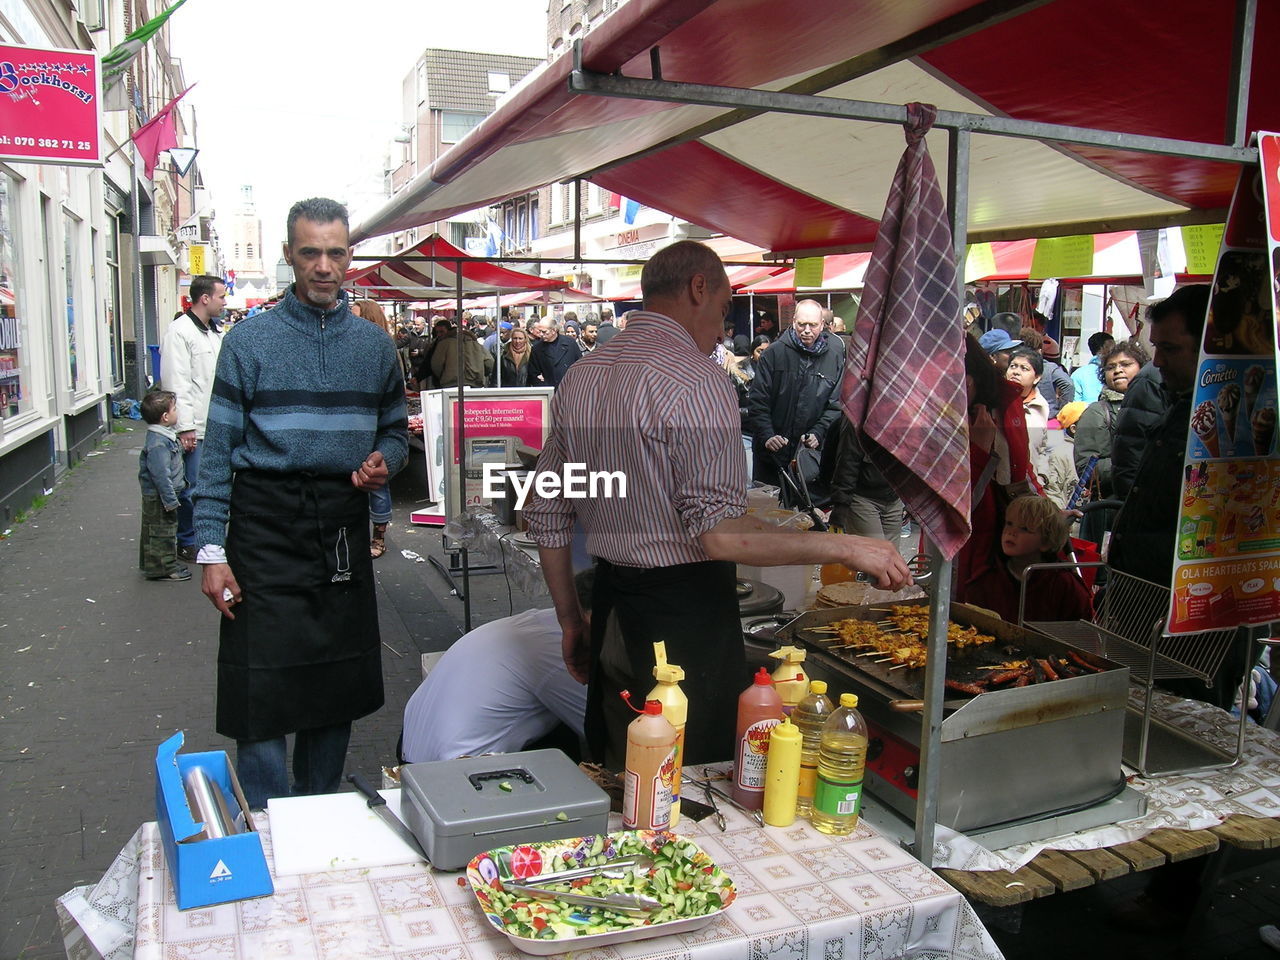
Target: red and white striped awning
<point>788,182</point>
<point>401,278</point>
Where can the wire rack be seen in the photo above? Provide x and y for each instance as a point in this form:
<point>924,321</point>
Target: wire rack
<point>1128,629</point>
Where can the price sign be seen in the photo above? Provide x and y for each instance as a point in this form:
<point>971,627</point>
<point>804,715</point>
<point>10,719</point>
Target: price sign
<point>809,271</point>
<point>1201,243</point>
<point>1062,257</point>
<point>52,106</point>
<point>195,259</point>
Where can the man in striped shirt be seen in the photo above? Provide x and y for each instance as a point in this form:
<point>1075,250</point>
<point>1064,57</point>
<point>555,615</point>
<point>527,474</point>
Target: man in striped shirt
<point>651,406</point>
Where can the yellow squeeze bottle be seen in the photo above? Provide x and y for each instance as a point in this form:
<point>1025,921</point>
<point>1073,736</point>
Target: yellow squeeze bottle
<point>789,679</point>
<point>782,775</point>
<point>675,708</point>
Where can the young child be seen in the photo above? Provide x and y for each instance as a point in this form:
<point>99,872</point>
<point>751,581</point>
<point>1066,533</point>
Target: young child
<point>1035,531</point>
<point>162,476</point>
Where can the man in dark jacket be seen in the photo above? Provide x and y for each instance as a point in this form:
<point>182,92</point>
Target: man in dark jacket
<point>1142,541</point>
<point>795,395</point>
<point>864,503</point>
<point>551,356</point>
<point>1145,402</point>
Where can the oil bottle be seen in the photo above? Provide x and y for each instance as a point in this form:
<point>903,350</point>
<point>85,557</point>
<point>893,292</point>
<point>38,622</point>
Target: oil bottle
<point>809,715</point>
<point>842,757</point>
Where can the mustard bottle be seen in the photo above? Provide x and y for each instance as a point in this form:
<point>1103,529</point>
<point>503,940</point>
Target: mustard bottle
<point>789,679</point>
<point>782,775</point>
<point>675,708</point>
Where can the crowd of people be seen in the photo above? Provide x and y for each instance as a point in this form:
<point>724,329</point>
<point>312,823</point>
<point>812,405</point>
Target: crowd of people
<point>513,351</point>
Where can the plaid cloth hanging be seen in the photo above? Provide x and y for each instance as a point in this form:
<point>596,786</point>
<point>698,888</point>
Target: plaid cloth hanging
<point>904,384</point>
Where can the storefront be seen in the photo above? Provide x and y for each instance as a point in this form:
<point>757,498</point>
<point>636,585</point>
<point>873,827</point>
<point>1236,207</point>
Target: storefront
<point>56,324</point>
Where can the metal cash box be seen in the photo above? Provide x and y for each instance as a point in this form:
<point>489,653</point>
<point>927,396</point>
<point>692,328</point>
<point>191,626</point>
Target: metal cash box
<point>458,808</point>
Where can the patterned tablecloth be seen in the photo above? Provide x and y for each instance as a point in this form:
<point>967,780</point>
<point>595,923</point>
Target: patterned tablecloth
<point>801,894</point>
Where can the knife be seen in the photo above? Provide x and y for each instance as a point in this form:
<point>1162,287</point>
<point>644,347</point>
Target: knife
<point>378,804</point>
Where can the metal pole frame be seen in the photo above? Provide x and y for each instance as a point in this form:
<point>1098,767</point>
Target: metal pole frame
<point>460,390</point>
<point>590,82</point>
<point>940,600</point>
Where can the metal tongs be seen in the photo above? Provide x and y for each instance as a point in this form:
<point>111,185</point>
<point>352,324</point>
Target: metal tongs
<point>537,887</point>
<point>919,565</point>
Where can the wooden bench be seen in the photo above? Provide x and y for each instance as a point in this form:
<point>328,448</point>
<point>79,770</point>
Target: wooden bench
<point>1060,871</point>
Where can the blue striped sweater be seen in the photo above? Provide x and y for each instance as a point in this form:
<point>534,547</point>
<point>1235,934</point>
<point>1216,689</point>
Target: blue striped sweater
<point>298,389</point>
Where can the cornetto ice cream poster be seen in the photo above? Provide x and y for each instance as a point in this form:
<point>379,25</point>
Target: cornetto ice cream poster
<point>1227,553</point>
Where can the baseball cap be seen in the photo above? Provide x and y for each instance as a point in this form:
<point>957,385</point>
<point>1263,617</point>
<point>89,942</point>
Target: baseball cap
<point>1071,412</point>
<point>505,325</point>
<point>993,341</point>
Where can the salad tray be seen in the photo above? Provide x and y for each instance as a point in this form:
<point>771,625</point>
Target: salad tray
<point>693,890</point>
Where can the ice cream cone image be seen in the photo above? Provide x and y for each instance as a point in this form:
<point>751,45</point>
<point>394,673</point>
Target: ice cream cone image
<point>1229,405</point>
<point>1205,423</point>
<point>1263,423</point>
<point>1252,387</point>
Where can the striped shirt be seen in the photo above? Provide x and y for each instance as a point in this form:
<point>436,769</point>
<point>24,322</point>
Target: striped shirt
<point>651,406</point>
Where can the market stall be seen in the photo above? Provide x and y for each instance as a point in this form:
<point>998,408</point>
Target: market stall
<point>1031,145</point>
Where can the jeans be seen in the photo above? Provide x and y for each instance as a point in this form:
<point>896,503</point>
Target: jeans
<point>319,755</point>
<point>186,512</point>
<point>380,504</point>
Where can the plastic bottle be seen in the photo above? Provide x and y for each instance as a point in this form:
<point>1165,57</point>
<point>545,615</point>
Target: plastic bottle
<point>789,679</point>
<point>842,759</point>
<point>651,757</point>
<point>809,715</point>
<point>782,775</point>
<point>759,710</point>
<point>675,707</point>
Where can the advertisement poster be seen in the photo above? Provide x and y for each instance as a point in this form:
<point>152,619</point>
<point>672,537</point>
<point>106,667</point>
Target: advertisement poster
<point>52,105</point>
<point>1227,552</point>
<point>496,421</point>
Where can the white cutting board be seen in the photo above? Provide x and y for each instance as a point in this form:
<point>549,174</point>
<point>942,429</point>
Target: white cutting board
<point>334,831</point>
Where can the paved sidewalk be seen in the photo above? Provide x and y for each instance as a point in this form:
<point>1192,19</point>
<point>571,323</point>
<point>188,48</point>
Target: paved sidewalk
<point>98,666</point>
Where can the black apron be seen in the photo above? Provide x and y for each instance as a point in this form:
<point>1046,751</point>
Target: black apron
<point>304,649</point>
<point>693,608</point>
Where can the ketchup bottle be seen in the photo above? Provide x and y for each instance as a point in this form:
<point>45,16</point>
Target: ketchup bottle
<point>759,710</point>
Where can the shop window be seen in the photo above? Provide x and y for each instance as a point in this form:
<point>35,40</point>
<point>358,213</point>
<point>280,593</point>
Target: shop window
<point>77,368</point>
<point>115,330</point>
<point>15,375</point>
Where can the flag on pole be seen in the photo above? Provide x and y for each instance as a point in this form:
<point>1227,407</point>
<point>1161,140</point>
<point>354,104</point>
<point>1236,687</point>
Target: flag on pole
<point>115,62</point>
<point>157,135</point>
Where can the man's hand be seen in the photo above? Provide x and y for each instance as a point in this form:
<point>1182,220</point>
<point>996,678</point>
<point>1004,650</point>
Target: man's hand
<point>880,558</point>
<point>372,474</point>
<point>775,443</point>
<point>216,580</point>
<point>982,429</point>
<point>188,440</point>
<point>575,647</point>
<point>810,441</point>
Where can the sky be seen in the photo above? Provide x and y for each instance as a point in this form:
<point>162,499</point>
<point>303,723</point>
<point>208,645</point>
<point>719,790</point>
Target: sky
<point>301,98</point>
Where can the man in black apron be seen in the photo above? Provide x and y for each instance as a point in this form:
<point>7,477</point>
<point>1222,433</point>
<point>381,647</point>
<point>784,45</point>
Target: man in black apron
<point>307,417</point>
<point>651,407</point>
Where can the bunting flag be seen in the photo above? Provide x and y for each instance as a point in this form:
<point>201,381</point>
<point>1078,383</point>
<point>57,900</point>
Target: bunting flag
<point>118,59</point>
<point>157,135</point>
